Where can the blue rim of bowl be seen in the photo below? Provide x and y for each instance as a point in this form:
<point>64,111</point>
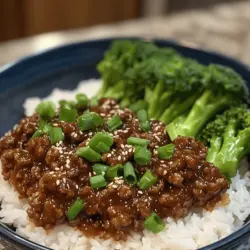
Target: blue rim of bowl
<point>9,234</point>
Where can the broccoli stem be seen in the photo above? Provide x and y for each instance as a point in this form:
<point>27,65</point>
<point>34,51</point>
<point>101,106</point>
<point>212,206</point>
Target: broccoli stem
<point>215,146</point>
<point>125,102</point>
<point>158,100</point>
<point>177,108</point>
<point>232,151</point>
<point>147,94</point>
<point>202,111</point>
<point>102,90</point>
<point>116,91</point>
<point>174,125</point>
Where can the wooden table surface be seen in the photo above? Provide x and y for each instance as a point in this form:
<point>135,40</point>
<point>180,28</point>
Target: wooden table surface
<point>224,28</point>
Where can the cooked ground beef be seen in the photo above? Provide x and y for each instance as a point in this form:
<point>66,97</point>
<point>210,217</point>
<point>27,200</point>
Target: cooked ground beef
<point>52,177</point>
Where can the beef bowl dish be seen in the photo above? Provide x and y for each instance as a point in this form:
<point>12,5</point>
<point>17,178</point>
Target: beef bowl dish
<point>153,154</point>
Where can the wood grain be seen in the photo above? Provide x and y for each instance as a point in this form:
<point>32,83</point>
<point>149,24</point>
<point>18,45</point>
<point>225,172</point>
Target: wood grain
<point>28,17</point>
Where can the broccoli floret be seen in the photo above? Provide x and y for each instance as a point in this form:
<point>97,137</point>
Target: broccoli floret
<point>184,96</point>
<point>122,56</point>
<point>164,78</point>
<point>223,88</point>
<point>228,139</point>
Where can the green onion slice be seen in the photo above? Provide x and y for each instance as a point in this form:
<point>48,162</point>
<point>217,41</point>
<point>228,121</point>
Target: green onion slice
<point>89,154</point>
<point>94,102</point>
<point>142,155</point>
<point>114,171</point>
<point>75,209</point>
<point>101,142</point>
<point>56,135</point>
<point>67,114</point>
<point>46,109</point>
<point>154,223</point>
<point>82,100</point>
<point>129,174</point>
<point>166,152</point>
<point>38,133</point>
<point>114,122</point>
<point>89,120</point>
<point>147,180</point>
<point>143,120</point>
<point>145,126</point>
<point>97,181</point>
<point>43,128</point>
<point>135,141</point>
<point>99,168</point>
<point>67,103</point>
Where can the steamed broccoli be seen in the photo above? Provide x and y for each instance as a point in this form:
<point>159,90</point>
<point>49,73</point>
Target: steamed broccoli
<point>146,80</point>
<point>223,88</point>
<point>122,55</point>
<point>181,92</point>
<point>228,139</point>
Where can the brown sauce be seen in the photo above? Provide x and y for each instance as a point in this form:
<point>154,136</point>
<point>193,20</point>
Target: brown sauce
<point>52,177</point>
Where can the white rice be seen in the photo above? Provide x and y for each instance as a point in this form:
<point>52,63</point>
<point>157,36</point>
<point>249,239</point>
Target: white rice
<point>196,230</point>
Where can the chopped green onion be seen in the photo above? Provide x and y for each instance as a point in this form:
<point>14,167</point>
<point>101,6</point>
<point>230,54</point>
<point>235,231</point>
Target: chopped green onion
<point>145,126</point>
<point>46,109</point>
<point>154,223</point>
<point>38,133</point>
<point>142,155</point>
<point>101,142</point>
<point>67,103</point>
<point>75,209</point>
<point>142,115</point>
<point>89,154</point>
<point>135,141</point>
<point>147,180</point>
<point>94,102</point>
<point>101,147</point>
<point>129,174</point>
<point>115,171</point>
<point>55,135</point>
<point>97,119</point>
<point>89,120</point>
<point>82,100</point>
<point>67,114</point>
<point>135,107</point>
<point>97,181</point>
<point>143,120</point>
<point>43,128</point>
<point>166,152</point>
<point>114,122</point>
<point>99,168</point>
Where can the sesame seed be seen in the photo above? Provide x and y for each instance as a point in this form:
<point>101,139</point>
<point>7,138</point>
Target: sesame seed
<point>119,158</point>
<point>157,138</point>
<point>58,182</point>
